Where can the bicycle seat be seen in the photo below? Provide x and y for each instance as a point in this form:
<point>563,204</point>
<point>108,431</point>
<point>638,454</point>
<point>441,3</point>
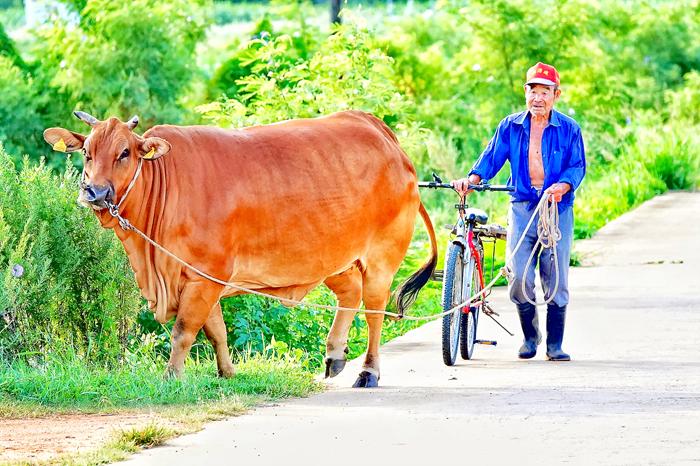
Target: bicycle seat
<point>477,215</point>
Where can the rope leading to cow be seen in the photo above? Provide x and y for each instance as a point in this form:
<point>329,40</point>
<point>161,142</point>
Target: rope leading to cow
<point>548,235</point>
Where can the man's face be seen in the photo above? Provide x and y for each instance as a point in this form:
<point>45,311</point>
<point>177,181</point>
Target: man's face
<point>540,99</point>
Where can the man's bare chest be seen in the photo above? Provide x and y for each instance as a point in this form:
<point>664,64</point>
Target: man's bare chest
<point>535,146</point>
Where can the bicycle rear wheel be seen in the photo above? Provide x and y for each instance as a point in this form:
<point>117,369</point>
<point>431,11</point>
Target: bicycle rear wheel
<point>451,296</point>
<point>471,319</point>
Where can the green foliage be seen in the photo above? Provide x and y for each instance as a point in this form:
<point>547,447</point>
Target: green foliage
<point>303,42</point>
<point>4,4</point>
<point>254,322</point>
<point>224,12</point>
<point>658,158</point>
<point>65,280</point>
<point>8,49</point>
<point>20,126</point>
<point>12,16</point>
<point>121,59</point>
<point>682,104</point>
<point>238,66</point>
<point>348,72</point>
<point>126,57</point>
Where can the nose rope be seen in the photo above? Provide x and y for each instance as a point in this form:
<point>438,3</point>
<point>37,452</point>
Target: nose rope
<point>114,209</point>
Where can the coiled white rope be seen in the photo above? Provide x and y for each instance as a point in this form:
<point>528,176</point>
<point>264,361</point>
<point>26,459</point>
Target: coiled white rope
<point>548,235</point>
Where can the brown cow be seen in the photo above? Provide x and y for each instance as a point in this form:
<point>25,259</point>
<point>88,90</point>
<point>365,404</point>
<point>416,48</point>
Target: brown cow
<point>277,208</point>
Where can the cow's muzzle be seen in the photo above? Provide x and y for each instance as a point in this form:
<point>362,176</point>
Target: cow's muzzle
<point>97,197</point>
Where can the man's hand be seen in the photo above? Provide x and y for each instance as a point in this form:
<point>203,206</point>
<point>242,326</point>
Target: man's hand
<point>462,185</point>
<point>557,190</point>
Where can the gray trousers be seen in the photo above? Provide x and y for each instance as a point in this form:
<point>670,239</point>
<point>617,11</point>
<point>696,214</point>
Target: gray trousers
<point>518,218</point>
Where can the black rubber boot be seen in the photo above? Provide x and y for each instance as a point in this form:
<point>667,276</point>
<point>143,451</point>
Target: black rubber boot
<point>531,332</point>
<point>556,317</point>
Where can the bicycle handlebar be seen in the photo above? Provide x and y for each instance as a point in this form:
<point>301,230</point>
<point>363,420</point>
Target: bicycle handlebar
<point>475,187</point>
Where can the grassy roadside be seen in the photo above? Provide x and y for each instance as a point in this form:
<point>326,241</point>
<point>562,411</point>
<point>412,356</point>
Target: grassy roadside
<point>65,384</point>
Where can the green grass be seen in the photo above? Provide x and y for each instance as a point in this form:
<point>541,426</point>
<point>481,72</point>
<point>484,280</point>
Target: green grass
<point>66,384</point>
<point>149,435</point>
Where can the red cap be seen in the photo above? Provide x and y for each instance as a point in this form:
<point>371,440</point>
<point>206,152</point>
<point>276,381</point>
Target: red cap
<point>542,74</point>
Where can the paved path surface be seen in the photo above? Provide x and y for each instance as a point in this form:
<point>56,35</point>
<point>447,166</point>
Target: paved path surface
<point>630,396</point>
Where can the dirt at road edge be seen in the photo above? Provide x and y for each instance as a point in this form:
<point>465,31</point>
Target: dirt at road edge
<point>43,438</point>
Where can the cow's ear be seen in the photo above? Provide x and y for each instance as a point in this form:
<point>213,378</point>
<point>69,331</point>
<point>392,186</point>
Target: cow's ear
<point>154,148</point>
<point>63,140</point>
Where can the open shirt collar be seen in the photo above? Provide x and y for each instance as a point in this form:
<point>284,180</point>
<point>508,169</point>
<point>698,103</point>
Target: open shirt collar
<point>524,119</point>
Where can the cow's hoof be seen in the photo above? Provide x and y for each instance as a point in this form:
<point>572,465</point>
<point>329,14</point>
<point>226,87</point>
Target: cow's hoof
<point>334,366</point>
<point>228,372</point>
<point>366,380</point>
<point>170,373</point>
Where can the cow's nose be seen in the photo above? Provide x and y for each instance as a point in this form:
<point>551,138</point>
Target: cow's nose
<point>96,195</point>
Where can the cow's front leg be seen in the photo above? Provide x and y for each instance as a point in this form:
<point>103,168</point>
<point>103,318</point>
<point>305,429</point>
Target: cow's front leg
<point>215,328</point>
<point>347,287</point>
<point>196,303</point>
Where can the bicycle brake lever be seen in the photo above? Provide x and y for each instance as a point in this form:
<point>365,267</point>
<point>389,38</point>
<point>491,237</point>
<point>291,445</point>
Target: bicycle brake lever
<point>437,178</point>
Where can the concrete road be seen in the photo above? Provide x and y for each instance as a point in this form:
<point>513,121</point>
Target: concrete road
<point>630,395</point>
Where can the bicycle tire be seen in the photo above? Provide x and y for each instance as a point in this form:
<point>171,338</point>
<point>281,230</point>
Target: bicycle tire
<point>451,296</point>
<point>470,320</point>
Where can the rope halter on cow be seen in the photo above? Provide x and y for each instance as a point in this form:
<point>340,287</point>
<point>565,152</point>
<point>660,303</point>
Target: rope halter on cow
<point>114,209</point>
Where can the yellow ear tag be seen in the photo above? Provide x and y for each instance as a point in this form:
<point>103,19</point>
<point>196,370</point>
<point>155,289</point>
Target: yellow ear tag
<point>150,154</point>
<point>60,146</point>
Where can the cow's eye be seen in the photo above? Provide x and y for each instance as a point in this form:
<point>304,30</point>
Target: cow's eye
<point>86,155</point>
<point>124,155</point>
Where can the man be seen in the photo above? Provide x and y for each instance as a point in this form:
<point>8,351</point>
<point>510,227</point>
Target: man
<point>546,155</point>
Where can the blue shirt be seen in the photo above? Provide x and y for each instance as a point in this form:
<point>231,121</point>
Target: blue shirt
<point>563,156</point>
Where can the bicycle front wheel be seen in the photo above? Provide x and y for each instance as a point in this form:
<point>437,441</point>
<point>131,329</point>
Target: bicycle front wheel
<point>471,319</point>
<point>452,294</point>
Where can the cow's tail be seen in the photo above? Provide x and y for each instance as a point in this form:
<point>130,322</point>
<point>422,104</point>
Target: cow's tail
<point>405,295</point>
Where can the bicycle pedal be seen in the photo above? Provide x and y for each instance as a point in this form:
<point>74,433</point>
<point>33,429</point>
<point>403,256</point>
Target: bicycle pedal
<point>486,342</point>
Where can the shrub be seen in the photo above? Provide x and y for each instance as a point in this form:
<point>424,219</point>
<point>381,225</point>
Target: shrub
<point>65,280</point>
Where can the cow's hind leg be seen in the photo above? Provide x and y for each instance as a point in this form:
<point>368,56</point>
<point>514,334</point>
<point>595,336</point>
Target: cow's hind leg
<point>196,303</point>
<point>215,329</point>
<point>376,290</point>
<point>347,286</point>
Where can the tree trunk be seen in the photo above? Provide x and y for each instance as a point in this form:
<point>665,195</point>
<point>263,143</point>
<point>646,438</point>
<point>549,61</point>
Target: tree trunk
<point>335,11</point>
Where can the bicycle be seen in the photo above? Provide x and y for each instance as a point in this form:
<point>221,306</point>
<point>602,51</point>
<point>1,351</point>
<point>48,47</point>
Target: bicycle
<point>463,275</point>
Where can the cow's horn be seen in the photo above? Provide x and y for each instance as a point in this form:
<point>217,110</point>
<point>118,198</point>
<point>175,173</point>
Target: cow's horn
<point>133,123</point>
<point>89,119</point>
